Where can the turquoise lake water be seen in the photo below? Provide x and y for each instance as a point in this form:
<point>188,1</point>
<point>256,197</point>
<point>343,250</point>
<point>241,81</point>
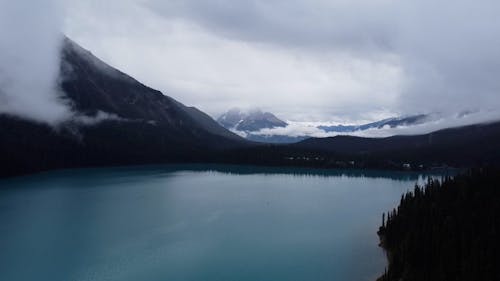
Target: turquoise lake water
<point>196,223</point>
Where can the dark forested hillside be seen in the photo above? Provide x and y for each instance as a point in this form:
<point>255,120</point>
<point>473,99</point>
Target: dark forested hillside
<point>93,87</point>
<point>446,231</point>
<point>468,146</point>
<point>118,121</point>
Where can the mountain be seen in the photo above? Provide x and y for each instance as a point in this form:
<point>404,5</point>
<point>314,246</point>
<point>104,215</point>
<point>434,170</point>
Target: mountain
<point>250,124</point>
<point>92,86</point>
<point>462,146</point>
<point>390,122</point>
<point>119,121</point>
<point>249,121</point>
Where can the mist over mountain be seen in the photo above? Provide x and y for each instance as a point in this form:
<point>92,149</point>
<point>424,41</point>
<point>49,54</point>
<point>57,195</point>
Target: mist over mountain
<point>405,125</point>
<point>266,127</point>
<point>93,87</point>
<point>467,146</point>
<point>29,61</point>
<point>248,124</point>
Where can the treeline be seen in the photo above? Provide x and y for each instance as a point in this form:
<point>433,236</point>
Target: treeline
<point>446,230</point>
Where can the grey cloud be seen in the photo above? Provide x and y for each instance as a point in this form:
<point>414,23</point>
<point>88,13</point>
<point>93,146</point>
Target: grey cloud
<point>327,59</point>
<point>450,53</point>
<point>318,23</point>
<point>29,60</point>
<point>447,49</point>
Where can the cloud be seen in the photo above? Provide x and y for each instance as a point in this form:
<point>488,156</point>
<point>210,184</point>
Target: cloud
<point>198,66</point>
<point>307,60</point>
<point>99,117</point>
<point>448,49</point>
<point>319,60</point>
<point>447,121</point>
<point>29,60</point>
<point>318,24</point>
<point>295,129</point>
<point>438,122</point>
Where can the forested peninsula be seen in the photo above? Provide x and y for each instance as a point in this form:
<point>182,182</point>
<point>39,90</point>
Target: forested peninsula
<point>448,229</point>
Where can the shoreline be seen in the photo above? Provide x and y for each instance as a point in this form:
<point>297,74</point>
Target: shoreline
<point>305,168</point>
<point>383,246</point>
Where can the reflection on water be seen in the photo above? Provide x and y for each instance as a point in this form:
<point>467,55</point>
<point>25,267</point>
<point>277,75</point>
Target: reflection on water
<point>196,222</point>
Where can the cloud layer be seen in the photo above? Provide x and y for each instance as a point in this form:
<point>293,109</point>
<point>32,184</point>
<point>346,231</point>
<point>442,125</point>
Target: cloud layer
<point>320,60</point>
<point>434,123</point>
<point>305,60</point>
<point>29,60</point>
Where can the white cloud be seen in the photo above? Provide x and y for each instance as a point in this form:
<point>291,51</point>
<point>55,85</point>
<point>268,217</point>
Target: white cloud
<point>310,129</point>
<point>29,60</point>
<point>318,60</point>
<point>202,68</point>
<point>447,121</point>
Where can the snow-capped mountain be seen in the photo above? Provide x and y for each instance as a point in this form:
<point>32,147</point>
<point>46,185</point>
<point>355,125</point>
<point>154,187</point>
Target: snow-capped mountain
<point>389,122</point>
<point>249,121</point>
<point>261,126</point>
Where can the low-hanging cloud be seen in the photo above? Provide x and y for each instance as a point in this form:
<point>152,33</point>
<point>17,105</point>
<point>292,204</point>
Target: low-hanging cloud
<point>31,38</point>
<point>433,123</point>
<point>321,60</point>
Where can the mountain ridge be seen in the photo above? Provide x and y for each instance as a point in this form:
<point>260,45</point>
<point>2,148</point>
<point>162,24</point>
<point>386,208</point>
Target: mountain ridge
<point>135,125</point>
<point>146,126</point>
<point>461,147</point>
<point>111,91</point>
<point>393,122</point>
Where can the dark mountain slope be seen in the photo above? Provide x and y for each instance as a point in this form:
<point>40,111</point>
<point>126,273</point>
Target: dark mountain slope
<point>93,86</point>
<point>119,121</point>
<point>468,146</point>
<point>208,123</point>
<point>463,146</point>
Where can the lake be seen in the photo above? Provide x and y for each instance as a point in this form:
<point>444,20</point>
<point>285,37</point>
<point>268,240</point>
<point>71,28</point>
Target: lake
<point>196,223</point>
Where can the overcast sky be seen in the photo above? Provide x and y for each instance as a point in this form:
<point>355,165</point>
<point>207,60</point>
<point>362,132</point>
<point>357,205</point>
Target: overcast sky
<point>304,60</point>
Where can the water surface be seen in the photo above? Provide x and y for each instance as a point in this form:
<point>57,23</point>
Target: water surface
<point>195,223</point>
